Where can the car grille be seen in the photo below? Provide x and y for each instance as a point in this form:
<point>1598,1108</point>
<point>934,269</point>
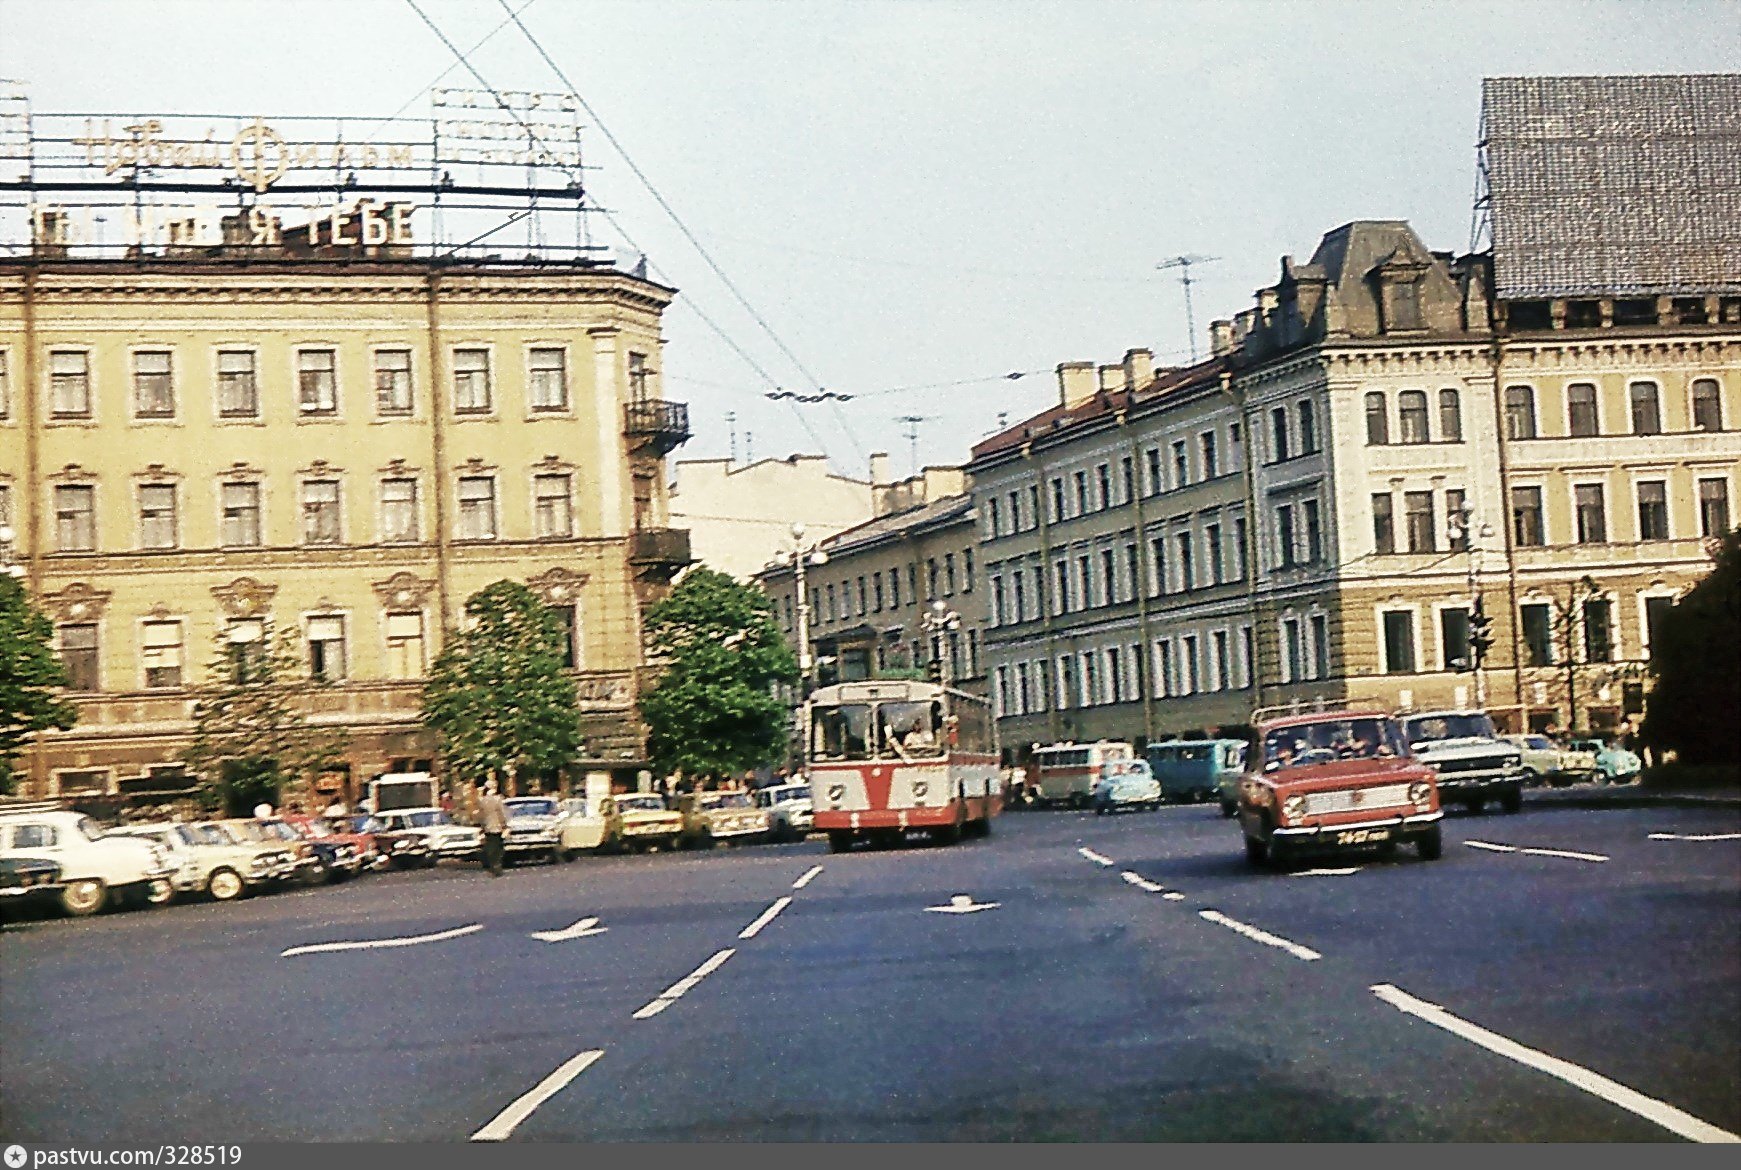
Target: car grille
<point>1478,764</point>
<point>1382,796</point>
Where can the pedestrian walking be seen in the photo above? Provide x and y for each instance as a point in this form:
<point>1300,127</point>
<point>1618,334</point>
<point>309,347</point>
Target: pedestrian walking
<point>494,822</point>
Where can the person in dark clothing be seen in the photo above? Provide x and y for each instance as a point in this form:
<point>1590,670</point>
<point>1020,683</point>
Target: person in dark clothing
<point>494,822</point>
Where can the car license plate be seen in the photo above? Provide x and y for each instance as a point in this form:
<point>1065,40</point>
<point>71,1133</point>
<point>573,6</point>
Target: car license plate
<point>1362,836</point>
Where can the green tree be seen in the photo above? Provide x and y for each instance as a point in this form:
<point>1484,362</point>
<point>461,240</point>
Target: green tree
<point>1695,655</point>
<point>29,673</point>
<point>253,734</point>
<point>713,710</point>
<point>500,696</point>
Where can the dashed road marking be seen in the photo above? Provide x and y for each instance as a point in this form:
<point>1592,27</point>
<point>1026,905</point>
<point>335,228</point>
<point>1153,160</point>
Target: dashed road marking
<point>766,917</point>
<point>1649,1108</point>
<point>682,987</point>
<point>1567,853</point>
<point>1304,954</point>
<point>1096,858</point>
<point>809,876</point>
<point>381,943</point>
<point>503,1123</point>
<point>1326,872</point>
<point>1695,836</point>
<point>1143,883</point>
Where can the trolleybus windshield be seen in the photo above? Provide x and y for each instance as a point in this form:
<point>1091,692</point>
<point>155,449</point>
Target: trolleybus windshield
<point>876,731</point>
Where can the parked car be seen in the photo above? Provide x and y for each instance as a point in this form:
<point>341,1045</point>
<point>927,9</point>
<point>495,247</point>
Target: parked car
<point>1473,764</point>
<point>1545,761</point>
<point>647,822</point>
<point>337,856</point>
<point>335,831</point>
<point>446,838</point>
<point>304,862</point>
<point>790,810</point>
<point>1614,764</point>
<point>278,862</point>
<point>205,860</point>
<point>534,828</point>
<point>1128,784</point>
<point>24,880</point>
<point>393,847</point>
<point>729,815</point>
<point>96,870</point>
<point>1334,780</point>
<point>588,826</point>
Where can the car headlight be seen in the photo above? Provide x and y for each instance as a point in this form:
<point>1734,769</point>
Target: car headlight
<point>1294,806</point>
<point>257,865</point>
<point>401,845</point>
<point>1513,763</point>
<point>1421,793</point>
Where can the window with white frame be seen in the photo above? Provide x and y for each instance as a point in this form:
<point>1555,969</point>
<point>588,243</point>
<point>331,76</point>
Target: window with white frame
<point>1592,513</point>
<point>1163,669</point>
<point>1223,661</point>
<point>1519,412</point>
<point>1713,507</point>
<point>477,507</point>
<point>1278,443</point>
<point>1652,509</point>
<point>549,378</point>
<point>153,384</point>
<point>1707,402</point>
<point>1418,522</point>
<point>393,383</point>
<point>471,381</point>
<point>317,382</point>
<point>69,383</point>
<point>1450,416</point>
<point>326,648</point>
<point>75,516</point>
<point>1188,660</point>
<point>1646,402</point>
<point>238,387</point>
<point>399,510</point>
<point>1582,421</point>
<point>161,654</point>
<point>320,511</point>
<point>78,654</point>
<point>405,645</point>
<point>241,514</point>
<point>1320,626</point>
<point>1377,420</point>
<point>157,521</point>
<point>1398,627</point>
<point>1308,415</point>
<point>553,504</point>
<point>1411,416</point>
<point>1293,651</point>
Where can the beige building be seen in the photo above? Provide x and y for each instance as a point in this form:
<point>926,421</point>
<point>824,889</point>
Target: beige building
<point>187,445</point>
<point>739,516</point>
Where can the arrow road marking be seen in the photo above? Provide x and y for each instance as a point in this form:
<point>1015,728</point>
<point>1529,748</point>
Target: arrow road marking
<point>585,928</point>
<point>1143,883</point>
<point>680,988</point>
<point>1491,847</point>
<point>809,876</point>
<point>1304,954</point>
<point>1696,837</point>
<point>962,904</point>
<point>1096,858</point>
<point>1665,1115</point>
<point>1326,872</point>
<point>379,943</point>
<point>766,917</point>
<point>503,1123</point>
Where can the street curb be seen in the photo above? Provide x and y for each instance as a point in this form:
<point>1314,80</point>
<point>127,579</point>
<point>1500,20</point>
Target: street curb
<point>1635,800</point>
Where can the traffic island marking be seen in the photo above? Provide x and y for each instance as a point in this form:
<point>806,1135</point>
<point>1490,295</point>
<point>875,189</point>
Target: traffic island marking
<point>585,928</point>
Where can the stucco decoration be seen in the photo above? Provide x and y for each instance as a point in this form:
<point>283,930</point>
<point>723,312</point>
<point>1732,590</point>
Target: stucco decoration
<point>78,602</point>
<point>558,586</point>
<point>403,591</point>
<point>244,597</point>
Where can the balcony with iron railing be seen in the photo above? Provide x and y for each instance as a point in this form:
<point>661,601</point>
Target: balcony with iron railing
<point>657,424</point>
<point>660,552</point>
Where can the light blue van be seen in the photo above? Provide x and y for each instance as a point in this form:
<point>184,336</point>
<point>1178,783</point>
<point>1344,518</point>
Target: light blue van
<point>1199,770</point>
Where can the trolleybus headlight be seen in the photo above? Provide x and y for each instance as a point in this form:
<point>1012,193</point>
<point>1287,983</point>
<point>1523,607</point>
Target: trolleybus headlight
<point>1294,806</point>
<point>1421,793</point>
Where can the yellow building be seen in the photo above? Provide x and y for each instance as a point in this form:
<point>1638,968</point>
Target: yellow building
<point>353,448</point>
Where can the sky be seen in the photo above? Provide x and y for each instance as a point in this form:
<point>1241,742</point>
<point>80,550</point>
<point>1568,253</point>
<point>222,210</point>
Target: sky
<point>921,197</point>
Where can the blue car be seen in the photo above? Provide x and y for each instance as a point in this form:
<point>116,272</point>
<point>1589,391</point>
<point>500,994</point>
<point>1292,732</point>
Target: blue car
<point>1614,764</point>
<point>1126,784</point>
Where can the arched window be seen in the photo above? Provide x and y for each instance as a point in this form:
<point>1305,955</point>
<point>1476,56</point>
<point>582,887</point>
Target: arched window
<point>1581,410</point>
<point>1646,409</point>
<point>1450,416</point>
<point>1707,406</point>
<point>1411,413</point>
<point>1377,420</point>
<point>1519,412</point>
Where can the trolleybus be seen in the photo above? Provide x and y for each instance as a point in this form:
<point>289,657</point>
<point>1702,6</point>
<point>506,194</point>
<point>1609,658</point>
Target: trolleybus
<point>1066,773</point>
<point>891,755</point>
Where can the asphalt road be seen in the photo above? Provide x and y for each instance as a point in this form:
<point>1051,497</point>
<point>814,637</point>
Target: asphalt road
<point>1087,1004</point>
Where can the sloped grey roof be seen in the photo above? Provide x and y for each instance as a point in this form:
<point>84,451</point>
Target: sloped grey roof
<point>1615,186</point>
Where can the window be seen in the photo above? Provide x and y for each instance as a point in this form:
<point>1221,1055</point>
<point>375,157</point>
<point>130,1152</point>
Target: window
<point>1450,416</point>
<point>1241,566</point>
<point>1581,410</point>
<point>1653,510</point>
<point>1592,513</point>
<point>1188,657</point>
<point>1526,517</point>
<point>877,592</point>
<point>238,391</point>
<point>1418,521</point>
<point>398,510</point>
<point>864,595</point>
<point>317,382</point>
<point>1383,523</point>
<point>967,570</point>
<point>998,616</point>
<point>241,504</point>
<point>1538,638</point>
<point>1057,499</point>
<point>1293,654</point>
<point>69,381</point>
<point>405,645</point>
<point>1212,538</point>
<point>153,387</point>
<point>1181,465</point>
<point>1127,478</point>
<point>161,657</point>
<point>320,511</point>
<point>1133,573</point>
<point>993,519</point>
<point>1085,575</point>
<point>1103,486</point>
<point>931,578</point>
<point>1062,603</point>
<point>1308,427</point>
<point>75,514</point>
<point>5,389</point>
<point>894,588</point>
<point>1223,662</point>
<point>157,515</point>
<point>1114,675</point>
<point>326,648</point>
<point>1457,520</point>
<point>471,381</point>
<point>1377,420</point>
<point>392,382</point>
<point>1165,682</point>
<point>1033,505</point>
<point>549,379</point>
<point>1707,405</point>
<point>78,653</point>
<point>1713,507</point>
<point>552,505</point>
<point>1020,601</point>
<point>1286,537</point>
<point>1399,641</point>
<point>829,611</point>
<point>477,507</point>
<point>1109,575</point>
<point>1278,419</point>
<point>1081,478</point>
<point>1411,416</point>
<point>1320,646</point>
<point>1158,554</point>
<point>1655,610</point>
<point>1454,639</point>
<point>1152,458</point>
<point>1598,630</point>
<point>948,575</point>
<point>1206,448</point>
<point>1646,408</point>
<point>1314,532</point>
<point>1519,412</point>
<point>1015,506</point>
<point>1248,655</point>
<point>1187,579</point>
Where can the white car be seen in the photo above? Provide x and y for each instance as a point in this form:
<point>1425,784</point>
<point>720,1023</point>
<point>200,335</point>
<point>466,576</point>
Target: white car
<point>534,827</point>
<point>205,861</point>
<point>445,837</point>
<point>791,812</point>
<point>589,826</point>
<point>95,868</point>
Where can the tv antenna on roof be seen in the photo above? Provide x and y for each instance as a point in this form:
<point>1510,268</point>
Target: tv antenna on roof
<point>912,433</point>
<point>1183,264</point>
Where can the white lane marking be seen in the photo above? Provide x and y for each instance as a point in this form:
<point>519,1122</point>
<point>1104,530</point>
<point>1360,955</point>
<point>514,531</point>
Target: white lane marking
<point>1143,883</point>
<point>680,988</point>
<point>1096,858</point>
<point>585,928</point>
<point>1568,853</point>
<point>809,876</point>
<point>1695,837</point>
<point>503,1123</point>
<point>1665,1115</point>
<point>379,943</point>
<point>1304,954</point>
<point>766,917</point>
<point>1325,872</point>
<point>963,904</point>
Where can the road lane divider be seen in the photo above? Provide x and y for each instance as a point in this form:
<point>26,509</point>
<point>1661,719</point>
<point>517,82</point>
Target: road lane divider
<point>808,877</point>
<point>1304,954</point>
<point>1661,1113</point>
<point>381,943</point>
<point>1571,854</point>
<point>766,916</point>
<point>1695,836</point>
<point>684,985</point>
<point>1144,884</point>
<point>502,1124</point>
<point>1096,858</point>
<point>1353,869</point>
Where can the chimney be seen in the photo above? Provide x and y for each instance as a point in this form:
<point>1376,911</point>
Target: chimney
<point>1075,383</point>
<point>1111,379</point>
<point>1221,337</point>
<point>879,467</point>
<point>1139,368</point>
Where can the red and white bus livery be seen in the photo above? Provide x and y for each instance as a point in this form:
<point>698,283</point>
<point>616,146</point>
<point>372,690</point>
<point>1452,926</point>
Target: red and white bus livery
<point>1066,773</point>
<point>891,755</point>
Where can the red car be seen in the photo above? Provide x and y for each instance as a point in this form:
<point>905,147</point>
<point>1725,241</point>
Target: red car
<point>343,853</point>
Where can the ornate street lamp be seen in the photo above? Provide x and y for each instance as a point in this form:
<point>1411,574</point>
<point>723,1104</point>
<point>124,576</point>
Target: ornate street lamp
<point>803,556</point>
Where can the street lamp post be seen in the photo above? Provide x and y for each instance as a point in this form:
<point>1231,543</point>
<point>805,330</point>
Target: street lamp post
<point>801,557</point>
<point>1461,526</point>
<point>942,624</point>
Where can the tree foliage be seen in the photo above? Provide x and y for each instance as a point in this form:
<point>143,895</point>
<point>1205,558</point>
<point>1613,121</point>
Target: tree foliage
<point>1696,658</point>
<point>713,710</point>
<point>29,673</point>
<point>253,732</point>
<point>499,696</point>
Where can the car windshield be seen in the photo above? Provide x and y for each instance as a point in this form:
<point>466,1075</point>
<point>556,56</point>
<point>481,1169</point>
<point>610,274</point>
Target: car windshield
<point>531,808</point>
<point>1306,744</point>
<point>428,819</point>
<point>647,803</point>
<point>1538,742</point>
<point>1424,728</point>
<point>90,828</point>
<point>283,831</point>
<point>727,800</point>
<point>219,835</point>
<point>188,835</point>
